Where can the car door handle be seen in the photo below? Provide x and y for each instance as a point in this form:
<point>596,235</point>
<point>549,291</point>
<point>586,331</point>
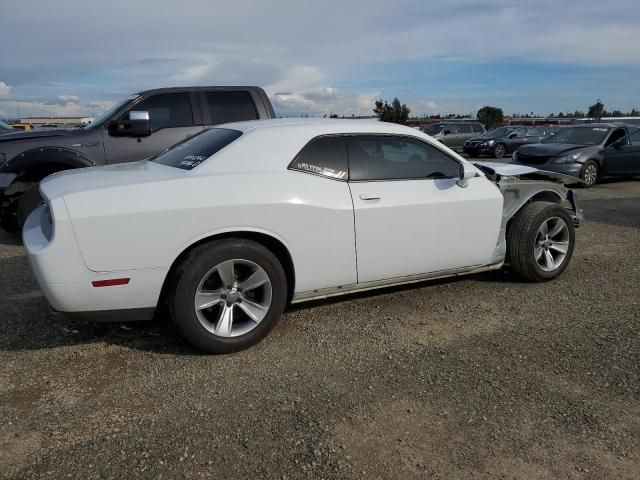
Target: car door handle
<point>369,196</point>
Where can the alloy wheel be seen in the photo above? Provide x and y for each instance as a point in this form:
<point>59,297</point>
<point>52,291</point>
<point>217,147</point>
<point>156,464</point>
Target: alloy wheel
<point>590,174</point>
<point>552,244</point>
<point>233,298</point>
<point>499,151</point>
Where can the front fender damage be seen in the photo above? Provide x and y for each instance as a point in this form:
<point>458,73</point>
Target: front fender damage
<point>520,185</point>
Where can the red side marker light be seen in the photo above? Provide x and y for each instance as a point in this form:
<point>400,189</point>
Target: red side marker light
<point>110,282</point>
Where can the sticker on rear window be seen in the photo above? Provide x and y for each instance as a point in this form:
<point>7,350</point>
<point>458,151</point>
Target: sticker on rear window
<point>192,161</point>
<point>326,171</point>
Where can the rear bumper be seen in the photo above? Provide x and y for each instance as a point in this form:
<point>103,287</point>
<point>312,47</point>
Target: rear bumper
<point>66,282</point>
<point>108,316</point>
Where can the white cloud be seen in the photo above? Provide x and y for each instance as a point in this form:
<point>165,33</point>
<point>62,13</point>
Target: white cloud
<point>4,90</point>
<point>68,98</point>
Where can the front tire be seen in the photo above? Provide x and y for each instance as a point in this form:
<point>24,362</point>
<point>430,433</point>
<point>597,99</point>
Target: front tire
<point>589,173</point>
<point>499,151</point>
<point>540,241</point>
<point>227,295</point>
<point>29,201</point>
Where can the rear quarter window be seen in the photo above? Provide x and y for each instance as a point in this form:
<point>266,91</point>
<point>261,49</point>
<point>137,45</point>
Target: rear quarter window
<point>190,153</point>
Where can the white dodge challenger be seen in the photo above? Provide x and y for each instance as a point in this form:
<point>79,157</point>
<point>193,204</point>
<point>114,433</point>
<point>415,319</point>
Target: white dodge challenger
<point>231,225</point>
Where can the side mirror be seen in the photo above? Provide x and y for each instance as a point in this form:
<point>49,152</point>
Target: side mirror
<point>135,124</point>
<point>513,135</point>
<point>447,132</point>
<point>465,173</point>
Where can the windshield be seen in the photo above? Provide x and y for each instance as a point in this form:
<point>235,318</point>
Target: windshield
<point>4,126</point>
<point>434,129</point>
<point>190,153</point>
<point>579,136</point>
<point>499,132</point>
<point>103,117</point>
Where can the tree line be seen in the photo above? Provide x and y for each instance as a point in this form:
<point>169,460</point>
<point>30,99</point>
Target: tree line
<point>490,116</point>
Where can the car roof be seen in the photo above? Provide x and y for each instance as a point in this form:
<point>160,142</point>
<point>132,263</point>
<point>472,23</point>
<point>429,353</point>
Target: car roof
<point>198,88</point>
<point>598,125</point>
<point>348,125</point>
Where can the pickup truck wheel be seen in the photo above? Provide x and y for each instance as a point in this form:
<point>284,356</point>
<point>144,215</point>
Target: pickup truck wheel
<point>540,241</point>
<point>30,200</point>
<point>499,151</point>
<point>227,295</point>
<point>8,221</point>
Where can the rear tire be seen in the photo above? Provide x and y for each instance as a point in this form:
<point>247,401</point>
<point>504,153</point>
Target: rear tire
<point>540,241</point>
<point>8,221</point>
<point>213,299</point>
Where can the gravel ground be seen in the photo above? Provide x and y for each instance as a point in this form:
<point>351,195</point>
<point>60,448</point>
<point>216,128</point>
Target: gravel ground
<point>483,377</point>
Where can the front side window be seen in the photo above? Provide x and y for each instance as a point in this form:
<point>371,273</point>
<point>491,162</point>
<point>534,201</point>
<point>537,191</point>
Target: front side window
<point>231,107</point>
<point>374,157</point>
<point>477,128</point>
<point>190,153</point>
<point>464,128</point>
<point>615,136</point>
<point>167,110</point>
<point>519,133</point>
<point>533,132</point>
<point>325,156</point>
<point>634,138</point>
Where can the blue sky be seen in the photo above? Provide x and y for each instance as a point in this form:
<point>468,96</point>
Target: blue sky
<point>76,57</point>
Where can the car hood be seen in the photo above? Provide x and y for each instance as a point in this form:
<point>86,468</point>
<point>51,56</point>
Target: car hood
<point>549,149</point>
<point>31,134</point>
<point>94,178</point>
<point>523,171</point>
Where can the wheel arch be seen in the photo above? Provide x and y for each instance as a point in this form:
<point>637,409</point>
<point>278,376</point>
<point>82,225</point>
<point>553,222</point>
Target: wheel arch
<point>518,202</point>
<point>275,245</point>
<point>35,164</point>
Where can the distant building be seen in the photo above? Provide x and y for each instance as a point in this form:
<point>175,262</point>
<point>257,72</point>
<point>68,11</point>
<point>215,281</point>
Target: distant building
<point>55,122</point>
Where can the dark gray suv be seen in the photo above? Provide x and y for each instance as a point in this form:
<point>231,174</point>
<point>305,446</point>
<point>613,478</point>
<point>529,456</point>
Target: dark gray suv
<point>136,128</point>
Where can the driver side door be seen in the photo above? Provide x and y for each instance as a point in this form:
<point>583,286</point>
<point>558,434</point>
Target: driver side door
<point>410,215</point>
<point>172,120</point>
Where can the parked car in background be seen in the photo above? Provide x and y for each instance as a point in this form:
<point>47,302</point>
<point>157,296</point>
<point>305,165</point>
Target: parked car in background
<point>504,140</point>
<point>6,128</point>
<point>454,134</point>
<point>229,226</point>
<point>138,127</point>
<point>588,152</point>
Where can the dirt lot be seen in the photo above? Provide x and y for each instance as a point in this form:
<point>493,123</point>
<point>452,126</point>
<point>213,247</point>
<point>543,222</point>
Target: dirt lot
<point>484,377</point>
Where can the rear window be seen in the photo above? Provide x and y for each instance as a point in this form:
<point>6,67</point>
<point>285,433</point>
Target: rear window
<point>192,152</point>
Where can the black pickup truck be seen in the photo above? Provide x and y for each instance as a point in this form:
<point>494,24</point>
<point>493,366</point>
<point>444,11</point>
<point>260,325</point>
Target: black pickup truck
<point>136,128</point>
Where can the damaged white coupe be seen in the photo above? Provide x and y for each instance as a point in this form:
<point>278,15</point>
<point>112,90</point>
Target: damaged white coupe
<point>228,227</point>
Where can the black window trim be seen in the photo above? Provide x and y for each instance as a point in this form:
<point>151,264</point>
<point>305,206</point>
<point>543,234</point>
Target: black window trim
<point>370,134</point>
